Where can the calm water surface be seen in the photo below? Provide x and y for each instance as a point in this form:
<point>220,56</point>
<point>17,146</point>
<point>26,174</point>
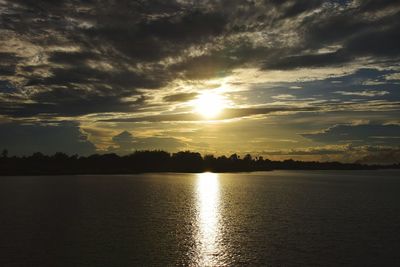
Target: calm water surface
<point>280,218</point>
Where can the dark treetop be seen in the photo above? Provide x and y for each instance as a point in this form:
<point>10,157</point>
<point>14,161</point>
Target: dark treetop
<point>158,161</point>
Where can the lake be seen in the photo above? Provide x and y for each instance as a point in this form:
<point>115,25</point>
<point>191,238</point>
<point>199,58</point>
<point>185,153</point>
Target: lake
<point>278,218</point>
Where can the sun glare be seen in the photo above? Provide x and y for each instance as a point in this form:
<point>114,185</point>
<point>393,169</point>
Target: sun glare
<point>209,223</point>
<point>209,105</point>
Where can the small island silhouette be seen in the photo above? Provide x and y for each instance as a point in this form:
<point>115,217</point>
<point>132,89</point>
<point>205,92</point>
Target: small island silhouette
<point>159,161</point>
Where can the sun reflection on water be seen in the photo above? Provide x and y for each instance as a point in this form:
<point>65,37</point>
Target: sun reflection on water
<point>208,220</point>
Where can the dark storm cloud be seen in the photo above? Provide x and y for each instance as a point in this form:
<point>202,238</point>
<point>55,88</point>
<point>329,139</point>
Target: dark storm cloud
<point>292,8</point>
<point>68,102</point>
<point>8,63</point>
<point>357,30</point>
<point>373,5</point>
<point>6,87</point>
<point>316,60</point>
<point>72,58</point>
<point>26,139</point>
<point>86,75</point>
<point>151,40</point>
<point>123,34</point>
<point>378,42</point>
<point>102,52</point>
<point>358,134</point>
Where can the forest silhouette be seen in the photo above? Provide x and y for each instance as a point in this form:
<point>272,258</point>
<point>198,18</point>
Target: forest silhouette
<point>159,161</point>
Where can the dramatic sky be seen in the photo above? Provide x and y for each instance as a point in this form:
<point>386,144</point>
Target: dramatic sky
<point>301,79</point>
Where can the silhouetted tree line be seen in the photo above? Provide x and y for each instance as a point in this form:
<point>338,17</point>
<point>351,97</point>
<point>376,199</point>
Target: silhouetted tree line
<point>157,161</point>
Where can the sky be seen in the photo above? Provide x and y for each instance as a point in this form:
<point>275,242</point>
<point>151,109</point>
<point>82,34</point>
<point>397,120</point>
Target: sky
<point>307,79</point>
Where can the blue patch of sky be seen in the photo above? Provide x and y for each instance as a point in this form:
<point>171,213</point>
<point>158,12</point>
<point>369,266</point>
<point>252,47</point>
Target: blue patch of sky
<point>6,87</point>
<point>362,80</point>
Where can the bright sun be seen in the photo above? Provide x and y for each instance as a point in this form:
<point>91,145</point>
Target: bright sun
<point>209,105</point>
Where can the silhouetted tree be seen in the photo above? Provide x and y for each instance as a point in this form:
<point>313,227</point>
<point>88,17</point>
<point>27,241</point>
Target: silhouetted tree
<point>156,161</point>
<point>234,157</point>
<point>187,161</point>
<point>37,156</point>
<point>248,158</point>
<point>4,153</point>
<point>59,156</point>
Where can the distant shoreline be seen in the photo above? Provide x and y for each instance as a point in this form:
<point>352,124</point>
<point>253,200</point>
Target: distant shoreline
<point>176,172</point>
<point>160,162</point>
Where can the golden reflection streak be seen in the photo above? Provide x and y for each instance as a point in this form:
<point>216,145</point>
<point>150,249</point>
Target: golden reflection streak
<point>208,219</point>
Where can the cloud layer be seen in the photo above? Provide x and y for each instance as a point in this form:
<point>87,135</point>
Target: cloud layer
<point>30,138</point>
<point>137,65</point>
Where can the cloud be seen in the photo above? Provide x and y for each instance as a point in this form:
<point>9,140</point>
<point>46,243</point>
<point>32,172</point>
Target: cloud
<point>311,60</point>
<point>101,46</point>
<point>126,143</point>
<point>25,139</point>
<point>8,63</point>
<point>62,101</point>
<point>230,113</point>
<point>206,66</point>
<point>393,76</point>
<point>319,151</point>
<point>358,29</point>
<point>364,154</point>
<point>123,139</point>
<point>382,157</point>
<point>361,134</point>
<point>150,37</point>
<point>72,58</point>
<point>107,62</point>
<point>366,93</point>
<point>182,97</point>
<point>284,97</point>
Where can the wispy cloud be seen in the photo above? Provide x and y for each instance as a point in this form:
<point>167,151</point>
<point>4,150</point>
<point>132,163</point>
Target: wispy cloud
<point>231,113</point>
<point>365,93</point>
